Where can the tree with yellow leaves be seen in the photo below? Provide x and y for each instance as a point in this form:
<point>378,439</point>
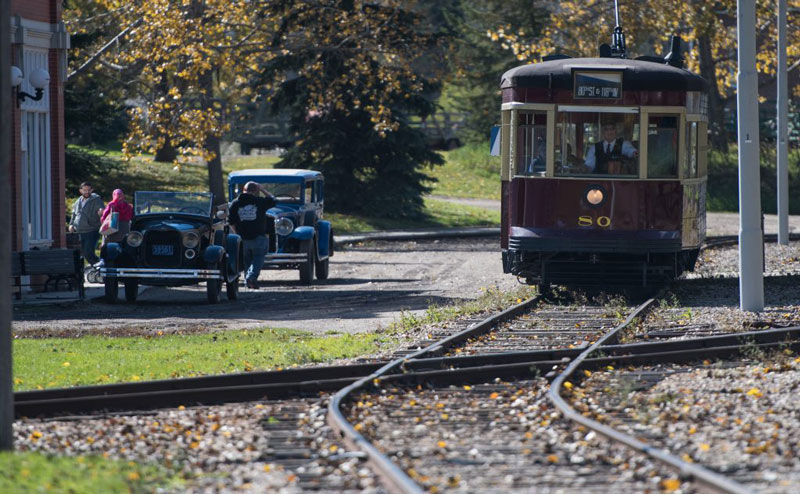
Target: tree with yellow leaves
<point>195,59</point>
<point>707,28</point>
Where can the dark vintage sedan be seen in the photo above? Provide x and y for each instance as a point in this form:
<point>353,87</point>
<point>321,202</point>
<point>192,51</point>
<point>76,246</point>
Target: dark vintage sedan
<point>175,240</point>
<point>299,238</point>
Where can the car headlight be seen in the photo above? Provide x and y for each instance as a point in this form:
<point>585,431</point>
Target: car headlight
<point>190,240</point>
<point>283,226</point>
<point>134,238</point>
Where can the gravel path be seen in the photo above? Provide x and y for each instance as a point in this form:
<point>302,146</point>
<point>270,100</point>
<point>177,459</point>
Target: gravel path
<point>370,285</point>
<point>257,447</point>
<point>738,418</point>
<point>498,437</point>
<point>708,303</point>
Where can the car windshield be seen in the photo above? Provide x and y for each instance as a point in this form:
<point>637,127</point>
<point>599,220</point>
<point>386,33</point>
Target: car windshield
<point>283,192</point>
<point>173,202</point>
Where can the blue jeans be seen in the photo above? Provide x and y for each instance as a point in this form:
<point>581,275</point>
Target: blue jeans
<point>88,244</point>
<point>254,251</point>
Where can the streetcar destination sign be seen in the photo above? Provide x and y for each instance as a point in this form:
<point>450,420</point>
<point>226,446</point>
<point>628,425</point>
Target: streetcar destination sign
<point>597,85</point>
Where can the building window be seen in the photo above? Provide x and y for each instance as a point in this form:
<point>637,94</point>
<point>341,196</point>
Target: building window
<point>37,198</point>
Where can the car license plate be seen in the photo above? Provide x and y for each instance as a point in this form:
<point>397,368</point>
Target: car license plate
<point>162,250</point>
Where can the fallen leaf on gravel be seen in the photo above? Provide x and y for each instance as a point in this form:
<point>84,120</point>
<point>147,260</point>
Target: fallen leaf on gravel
<point>552,458</point>
<point>494,395</point>
<point>704,447</point>
<point>671,485</point>
<point>692,430</point>
<point>441,444</point>
<point>754,392</point>
<point>568,385</point>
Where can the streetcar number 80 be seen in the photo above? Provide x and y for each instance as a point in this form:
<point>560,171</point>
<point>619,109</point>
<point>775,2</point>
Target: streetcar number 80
<point>601,221</point>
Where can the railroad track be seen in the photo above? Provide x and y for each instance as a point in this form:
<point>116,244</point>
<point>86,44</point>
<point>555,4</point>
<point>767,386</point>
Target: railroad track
<point>528,342</point>
<point>417,397</point>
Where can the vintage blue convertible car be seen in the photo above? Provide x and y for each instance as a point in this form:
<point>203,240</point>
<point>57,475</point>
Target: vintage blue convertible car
<point>175,240</point>
<point>301,239</point>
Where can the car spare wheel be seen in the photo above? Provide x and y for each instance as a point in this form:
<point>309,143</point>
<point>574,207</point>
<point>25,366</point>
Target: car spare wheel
<point>213,286</point>
<point>131,289</point>
<point>307,266</point>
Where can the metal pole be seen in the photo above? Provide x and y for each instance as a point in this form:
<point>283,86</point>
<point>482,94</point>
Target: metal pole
<point>751,241</point>
<point>782,130</point>
<point>6,381</point>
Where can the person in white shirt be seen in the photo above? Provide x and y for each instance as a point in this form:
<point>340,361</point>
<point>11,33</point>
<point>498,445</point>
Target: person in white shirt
<point>606,156</point>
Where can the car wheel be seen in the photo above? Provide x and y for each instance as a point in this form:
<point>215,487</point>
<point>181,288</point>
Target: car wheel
<point>213,287</point>
<point>131,289</point>
<point>307,267</point>
<point>322,269</point>
<point>231,283</point>
<point>111,289</point>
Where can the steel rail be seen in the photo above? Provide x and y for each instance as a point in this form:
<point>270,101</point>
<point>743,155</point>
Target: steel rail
<point>392,475</point>
<point>712,480</point>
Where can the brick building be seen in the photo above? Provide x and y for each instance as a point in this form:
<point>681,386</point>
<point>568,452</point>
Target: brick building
<point>38,41</point>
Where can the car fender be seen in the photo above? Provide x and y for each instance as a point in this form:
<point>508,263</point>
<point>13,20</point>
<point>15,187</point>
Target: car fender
<point>302,233</point>
<point>113,250</point>
<point>232,243</point>
<point>323,238</point>
<point>213,253</point>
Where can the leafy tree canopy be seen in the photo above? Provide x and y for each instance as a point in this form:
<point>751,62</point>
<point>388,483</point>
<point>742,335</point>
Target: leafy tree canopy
<point>332,60</point>
<point>708,28</point>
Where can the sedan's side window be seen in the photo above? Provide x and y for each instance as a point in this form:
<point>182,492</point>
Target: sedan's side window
<point>309,192</point>
<point>319,194</point>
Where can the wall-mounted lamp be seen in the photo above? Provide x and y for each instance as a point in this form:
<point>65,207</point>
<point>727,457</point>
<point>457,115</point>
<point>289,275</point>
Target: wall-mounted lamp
<point>39,79</point>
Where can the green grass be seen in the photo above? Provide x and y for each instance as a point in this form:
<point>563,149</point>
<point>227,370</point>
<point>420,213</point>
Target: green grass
<point>436,214</point>
<point>90,360</point>
<point>470,172</point>
<point>26,473</point>
<point>142,173</point>
<point>723,180</point>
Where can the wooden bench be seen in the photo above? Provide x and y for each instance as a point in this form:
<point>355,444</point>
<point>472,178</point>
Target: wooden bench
<point>56,264</point>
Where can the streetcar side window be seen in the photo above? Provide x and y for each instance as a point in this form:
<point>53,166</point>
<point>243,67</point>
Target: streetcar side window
<point>691,150</point>
<point>531,143</point>
<point>662,146</point>
<point>597,143</point>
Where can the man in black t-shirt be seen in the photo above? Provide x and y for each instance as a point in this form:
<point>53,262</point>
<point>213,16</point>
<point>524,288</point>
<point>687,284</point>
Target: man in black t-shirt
<point>248,217</point>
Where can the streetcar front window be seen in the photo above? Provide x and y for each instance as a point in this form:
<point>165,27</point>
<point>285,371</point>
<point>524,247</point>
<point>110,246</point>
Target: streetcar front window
<point>597,143</point>
<point>662,146</point>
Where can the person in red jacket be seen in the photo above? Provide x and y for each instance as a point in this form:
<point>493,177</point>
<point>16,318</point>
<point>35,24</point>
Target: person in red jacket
<point>118,205</point>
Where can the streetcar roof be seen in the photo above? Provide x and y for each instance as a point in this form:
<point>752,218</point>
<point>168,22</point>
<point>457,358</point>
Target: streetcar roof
<point>638,75</point>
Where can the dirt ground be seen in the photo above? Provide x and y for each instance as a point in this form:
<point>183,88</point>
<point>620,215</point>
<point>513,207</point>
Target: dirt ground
<point>369,285</point>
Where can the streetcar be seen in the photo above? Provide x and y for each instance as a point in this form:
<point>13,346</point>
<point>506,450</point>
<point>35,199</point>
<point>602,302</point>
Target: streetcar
<point>603,169</point>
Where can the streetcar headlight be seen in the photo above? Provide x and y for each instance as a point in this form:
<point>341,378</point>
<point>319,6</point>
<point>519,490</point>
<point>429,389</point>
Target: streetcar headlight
<point>283,226</point>
<point>594,196</point>
<point>191,240</point>
<point>134,238</point>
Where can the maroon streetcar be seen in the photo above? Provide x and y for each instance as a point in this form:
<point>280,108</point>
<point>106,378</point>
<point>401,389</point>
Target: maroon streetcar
<point>603,169</point>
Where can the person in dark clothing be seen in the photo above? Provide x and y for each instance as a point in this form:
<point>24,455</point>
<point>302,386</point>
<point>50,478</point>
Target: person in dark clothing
<point>609,155</point>
<point>86,221</point>
<point>248,217</point>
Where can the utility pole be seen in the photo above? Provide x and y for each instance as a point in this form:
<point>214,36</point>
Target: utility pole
<point>782,130</point>
<point>751,239</point>
<point>6,379</point>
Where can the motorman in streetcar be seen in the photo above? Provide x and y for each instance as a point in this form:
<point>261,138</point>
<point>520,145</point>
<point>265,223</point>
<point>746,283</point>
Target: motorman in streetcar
<point>610,155</point>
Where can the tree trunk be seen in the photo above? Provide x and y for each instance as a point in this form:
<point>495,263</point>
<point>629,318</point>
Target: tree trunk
<point>166,153</point>
<point>212,143</point>
<point>716,107</point>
